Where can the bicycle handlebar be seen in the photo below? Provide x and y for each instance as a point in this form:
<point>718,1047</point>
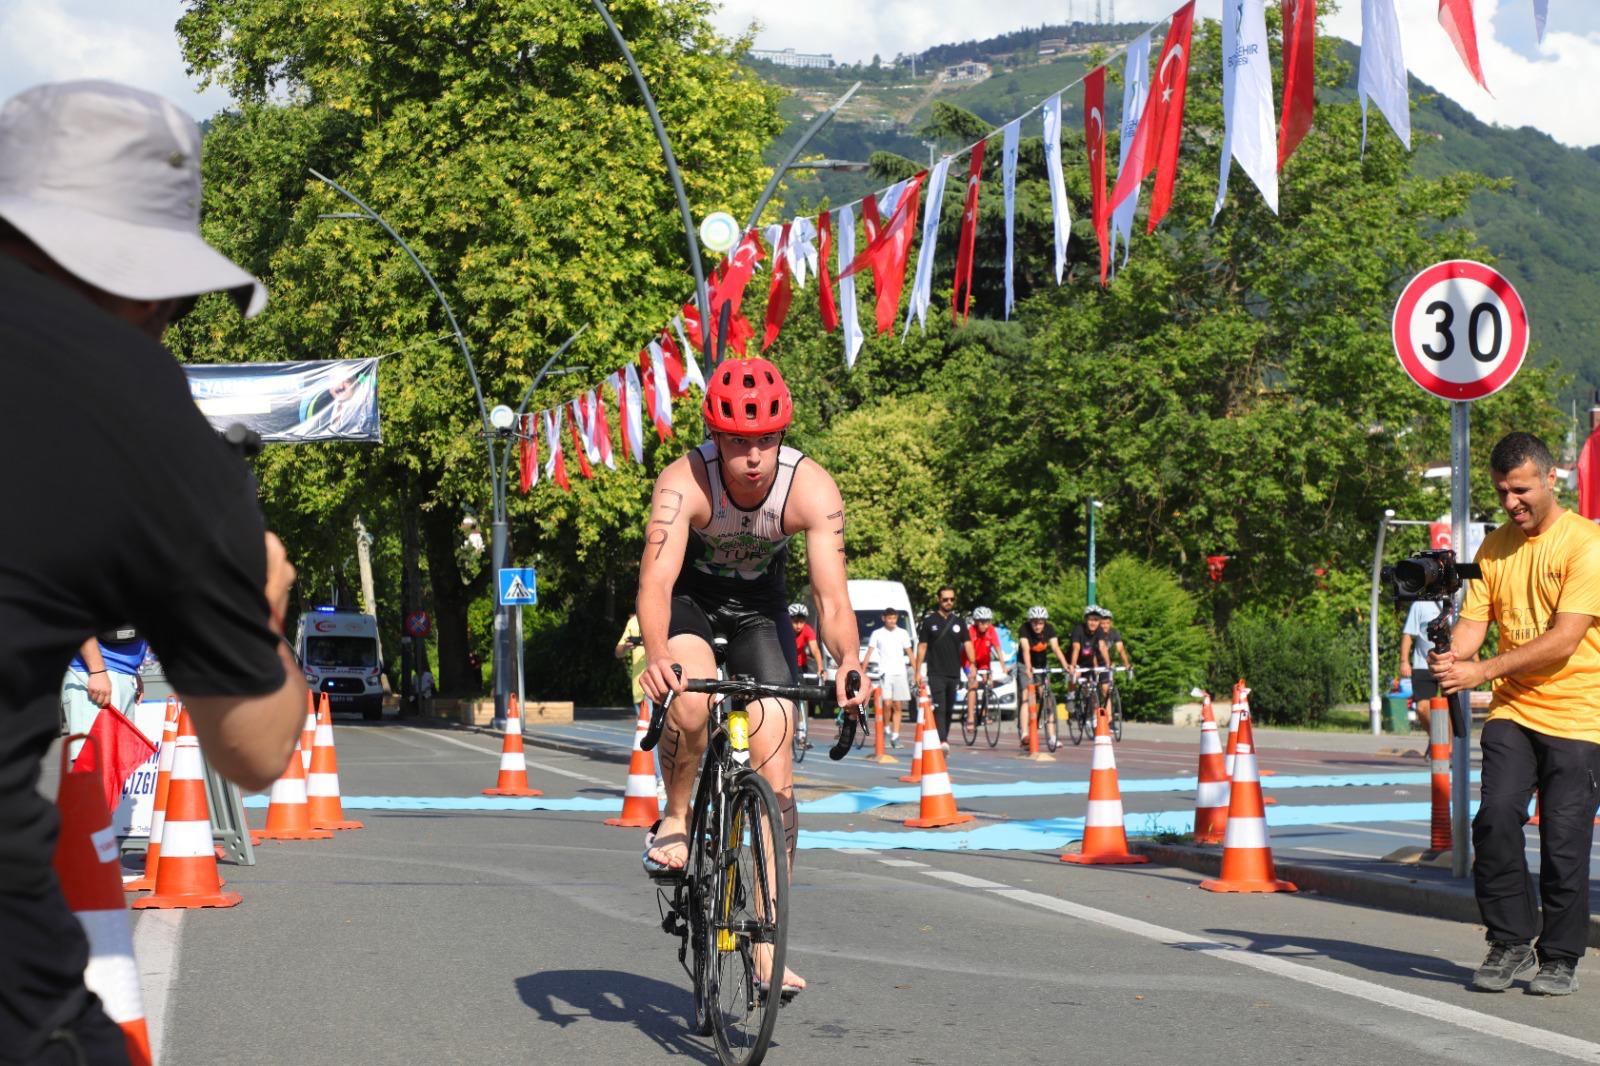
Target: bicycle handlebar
<point>747,688</point>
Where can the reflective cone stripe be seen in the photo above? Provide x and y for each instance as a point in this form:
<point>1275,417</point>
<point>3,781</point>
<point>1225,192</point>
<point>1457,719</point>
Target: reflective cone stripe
<point>1233,725</point>
<point>188,873</point>
<point>1247,854</point>
<point>1439,763</point>
<point>289,815</point>
<point>916,750</point>
<point>1105,841</point>
<point>1211,789</point>
<point>158,809</point>
<point>938,799</point>
<point>308,731</point>
<point>87,865</point>
<point>640,809</point>
<point>322,784</point>
<point>513,779</point>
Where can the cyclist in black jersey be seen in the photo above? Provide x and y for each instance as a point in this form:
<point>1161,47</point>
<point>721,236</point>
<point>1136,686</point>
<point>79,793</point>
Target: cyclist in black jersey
<point>1035,645</point>
<point>1088,645</point>
<point>713,565</point>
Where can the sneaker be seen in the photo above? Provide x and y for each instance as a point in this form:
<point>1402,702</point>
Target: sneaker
<point>1558,977</point>
<point>945,746</point>
<point>1504,964</point>
<point>894,740</point>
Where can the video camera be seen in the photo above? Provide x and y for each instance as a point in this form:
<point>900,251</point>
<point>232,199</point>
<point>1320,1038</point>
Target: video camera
<point>1435,575</point>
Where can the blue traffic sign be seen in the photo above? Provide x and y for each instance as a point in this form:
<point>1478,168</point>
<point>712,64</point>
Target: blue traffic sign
<point>518,587</point>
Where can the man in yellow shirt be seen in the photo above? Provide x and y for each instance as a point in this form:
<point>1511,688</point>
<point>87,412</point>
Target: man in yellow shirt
<point>1541,586</point>
<point>630,646</point>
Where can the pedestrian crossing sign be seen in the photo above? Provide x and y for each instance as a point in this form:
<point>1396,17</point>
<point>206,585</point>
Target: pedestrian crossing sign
<point>518,587</point>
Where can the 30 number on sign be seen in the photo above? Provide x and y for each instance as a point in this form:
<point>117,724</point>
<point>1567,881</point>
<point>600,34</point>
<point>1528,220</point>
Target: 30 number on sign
<point>1460,330</point>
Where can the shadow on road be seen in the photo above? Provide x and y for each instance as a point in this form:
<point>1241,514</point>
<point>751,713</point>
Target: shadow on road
<point>1367,956</point>
<point>657,1009</point>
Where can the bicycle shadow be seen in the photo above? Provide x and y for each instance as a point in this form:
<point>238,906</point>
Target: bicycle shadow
<point>659,1010</point>
<point>1376,958</point>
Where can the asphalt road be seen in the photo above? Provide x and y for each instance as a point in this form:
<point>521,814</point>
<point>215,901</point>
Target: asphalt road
<point>462,936</point>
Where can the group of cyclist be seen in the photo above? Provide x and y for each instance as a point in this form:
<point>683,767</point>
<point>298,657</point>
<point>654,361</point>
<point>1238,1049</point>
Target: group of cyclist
<point>1093,643</point>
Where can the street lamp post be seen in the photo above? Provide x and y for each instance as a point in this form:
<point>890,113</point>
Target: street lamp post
<point>1094,505</point>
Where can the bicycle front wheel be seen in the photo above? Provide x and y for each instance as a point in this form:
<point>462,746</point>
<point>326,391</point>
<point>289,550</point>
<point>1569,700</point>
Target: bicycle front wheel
<point>969,723</point>
<point>1047,719</point>
<point>1076,717</point>
<point>799,743</point>
<point>1116,714</point>
<point>749,923</point>
<point>991,720</point>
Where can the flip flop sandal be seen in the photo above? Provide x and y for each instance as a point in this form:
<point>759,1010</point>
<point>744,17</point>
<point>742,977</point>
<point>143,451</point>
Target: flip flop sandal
<point>659,870</point>
<point>764,988</point>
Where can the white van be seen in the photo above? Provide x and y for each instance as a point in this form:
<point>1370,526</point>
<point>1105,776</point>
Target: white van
<point>868,599</point>
<point>338,649</point>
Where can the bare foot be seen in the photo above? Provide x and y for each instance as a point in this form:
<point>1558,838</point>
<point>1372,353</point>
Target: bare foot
<point>671,846</point>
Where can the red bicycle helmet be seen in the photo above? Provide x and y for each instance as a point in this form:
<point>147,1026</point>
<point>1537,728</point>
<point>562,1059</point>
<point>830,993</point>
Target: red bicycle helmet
<point>747,397</point>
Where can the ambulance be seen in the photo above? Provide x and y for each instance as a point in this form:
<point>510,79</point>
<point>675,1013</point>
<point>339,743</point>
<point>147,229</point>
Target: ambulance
<point>338,649</point>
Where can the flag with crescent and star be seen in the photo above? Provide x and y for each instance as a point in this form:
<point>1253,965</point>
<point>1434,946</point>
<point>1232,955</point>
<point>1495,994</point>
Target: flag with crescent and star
<point>961,289</point>
<point>1094,139</point>
<point>1166,122</point>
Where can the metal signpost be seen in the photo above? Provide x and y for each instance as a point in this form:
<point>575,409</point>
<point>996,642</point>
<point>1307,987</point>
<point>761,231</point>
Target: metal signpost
<point>1461,332</point>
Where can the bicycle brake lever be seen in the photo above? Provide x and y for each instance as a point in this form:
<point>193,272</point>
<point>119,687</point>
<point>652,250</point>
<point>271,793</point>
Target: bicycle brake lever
<point>847,723</point>
<point>658,716</point>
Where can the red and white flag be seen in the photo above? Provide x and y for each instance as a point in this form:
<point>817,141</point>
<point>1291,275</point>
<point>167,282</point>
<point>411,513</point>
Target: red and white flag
<point>887,252</point>
<point>961,291</point>
<point>116,751</point>
<point>825,303</point>
<point>1299,74</point>
<point>578,444</point>
<point>1456,18</point>
<point>1166,97</point>
<point>528,454</point>
<point>629,414</point>
<point>691,358</point>
<point>555,468</point>
<point>1094,139</point>
<point>656,394</point>
<point>780,292</point>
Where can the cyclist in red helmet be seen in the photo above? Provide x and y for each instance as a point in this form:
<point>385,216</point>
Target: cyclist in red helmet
<point>713,565</point>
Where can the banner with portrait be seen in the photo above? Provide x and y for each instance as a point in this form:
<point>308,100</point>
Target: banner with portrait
<point>327,399</point>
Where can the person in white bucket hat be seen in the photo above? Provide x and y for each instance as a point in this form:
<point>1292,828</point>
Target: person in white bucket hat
<point>154,520</point>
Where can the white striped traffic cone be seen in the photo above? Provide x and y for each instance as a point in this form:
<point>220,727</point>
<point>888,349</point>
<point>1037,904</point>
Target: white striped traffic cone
<point>938,797</point>
<point>308,731</point>
<point>289,815</point>
<point>188,873</point>
<point>640,809</point>
<point>1105,841</point>
<point>158,809</point>
<point>322,784</point>
<point>1211,790</point>
<point>923,706</point>
<point>1247,854</point>
<point>513,779</point>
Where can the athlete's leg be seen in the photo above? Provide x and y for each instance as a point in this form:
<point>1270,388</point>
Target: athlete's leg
<point>683,738</point>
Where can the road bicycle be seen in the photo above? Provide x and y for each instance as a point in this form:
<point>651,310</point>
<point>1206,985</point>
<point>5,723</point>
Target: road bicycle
<point>1045,707</point>
<point>731,898</point>
<point>802,709</point>
<point>985,714</point>
<point>1088,701</point>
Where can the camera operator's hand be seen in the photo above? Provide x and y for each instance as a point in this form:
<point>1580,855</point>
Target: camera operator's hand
<point>280,576</point>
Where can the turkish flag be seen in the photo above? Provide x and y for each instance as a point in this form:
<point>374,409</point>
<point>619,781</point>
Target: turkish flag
<point>1166,97</point>
<point>672,365</point>
<point>886,253</point>
<point>961,297</point>
<point>527,454</point>
<point>1094,138</point>
<point>577,442</point>
<point>728,283</point>
<point>1456,18</point>
<point>825,303</point>
<point>1299,74</point>
<point>1589,477</point>
<point>115,750</point>
<point>780,292</point>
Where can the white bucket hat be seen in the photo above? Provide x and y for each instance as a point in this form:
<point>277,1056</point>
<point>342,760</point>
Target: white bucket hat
<point>105,179</point>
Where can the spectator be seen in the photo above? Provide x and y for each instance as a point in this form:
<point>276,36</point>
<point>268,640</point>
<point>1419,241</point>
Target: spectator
<point>891,647</point>
<point>1414,648</point>
<point>104,673</point>
<point>943,639</point>
<point>630,646</point>
<point>807,652</point>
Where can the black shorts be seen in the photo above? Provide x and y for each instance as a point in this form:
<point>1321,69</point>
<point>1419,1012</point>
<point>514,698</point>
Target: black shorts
<point>760,642</point>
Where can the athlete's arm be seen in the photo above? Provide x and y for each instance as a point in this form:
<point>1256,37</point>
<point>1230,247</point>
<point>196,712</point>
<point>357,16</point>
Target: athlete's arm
<point>672,503</point>
<point>1055,645</point>
<point>916,661</point>
<point>814,655</point>
<point>94,668</point>
<point>816,508</point>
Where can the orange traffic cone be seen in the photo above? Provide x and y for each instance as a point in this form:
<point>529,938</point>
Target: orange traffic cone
<point>1239,693</point>
<point>924,712</point>
<point>322,784</point>
<point>188,873</point>
<point>158,809</point>
<point>640,810</point>
<point>879,726</point>
<point>513,779</point>
<point>289,815</point>
<point>87,867</point>
<point>308,731</point>
<point>938,800</point>
<point>1246,855</point>
<point>1105,842</point>
<point>1211,790</point>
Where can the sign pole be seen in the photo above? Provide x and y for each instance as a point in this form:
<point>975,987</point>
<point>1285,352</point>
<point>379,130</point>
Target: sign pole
<point>1461,751</point>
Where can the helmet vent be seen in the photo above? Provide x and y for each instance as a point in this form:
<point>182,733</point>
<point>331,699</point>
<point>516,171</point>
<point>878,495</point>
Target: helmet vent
<point>750,412</point>
<point>749,381</point>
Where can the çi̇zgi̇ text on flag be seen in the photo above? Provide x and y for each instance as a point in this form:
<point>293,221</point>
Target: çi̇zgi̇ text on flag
<point>1249,133</point>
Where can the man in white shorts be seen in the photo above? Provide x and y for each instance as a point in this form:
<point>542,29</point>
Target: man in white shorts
<point>891,646</point>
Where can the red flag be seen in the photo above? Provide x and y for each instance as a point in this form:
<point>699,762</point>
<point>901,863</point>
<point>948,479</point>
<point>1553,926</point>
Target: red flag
<point>602,427</point>
<point>886,254</point>
<point>1299,74</point>
<point>825,304</point>
<point>869,216</point>
<point>961,302</point>
<point>117,751</point>
<point>653,403</point>
<point>558,472</point>
<point>728,284</point>
<point>1456,18</point>
<point>672,364</point>
<point>1589,477</point>
<point>527,453</point>
<point>577,441</point>
<point>1166,131</point>
<point>780,292</point>
<point>1094,138</point>
<point>619,385</point>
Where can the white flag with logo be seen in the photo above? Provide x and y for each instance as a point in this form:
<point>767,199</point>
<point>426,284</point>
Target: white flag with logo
<point>802,250</point>
<point>1135,90</point>
<point>889,199</point>
<point>1008,178</point>
<point>1250,132</point>
<point>922,286</point>
<point>845,238</point>
<point>632,412</point>
<point>1059,208</point>
<point>1541,11</point>
<point>1382,76</point>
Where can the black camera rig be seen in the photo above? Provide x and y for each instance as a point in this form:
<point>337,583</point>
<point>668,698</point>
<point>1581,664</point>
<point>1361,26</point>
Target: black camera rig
<point>1434,575</point>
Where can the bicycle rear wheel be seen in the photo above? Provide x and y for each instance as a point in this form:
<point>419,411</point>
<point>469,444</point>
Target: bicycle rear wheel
<point>991,719</point>
<point>798,745</point>
<point>750,917</point>
<point>969,724</point>
<point>1047,718</point>
<point>1115,700</point>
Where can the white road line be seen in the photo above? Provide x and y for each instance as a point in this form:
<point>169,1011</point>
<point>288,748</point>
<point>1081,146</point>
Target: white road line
<point>907,863</point>
<point>1366,829</point>
<point>1330,851</point>
<point>1382,995</point>
<point>155,945</point>
<point>965,880</point>
<point>856,851</point>
<point>435,735</point>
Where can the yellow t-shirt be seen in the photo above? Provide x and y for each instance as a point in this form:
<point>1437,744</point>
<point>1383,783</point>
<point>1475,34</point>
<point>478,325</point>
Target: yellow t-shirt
<point>1526,583</point>
<point>635,657</point>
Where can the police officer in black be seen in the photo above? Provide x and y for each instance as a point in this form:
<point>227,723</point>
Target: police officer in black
<point>943,638</point>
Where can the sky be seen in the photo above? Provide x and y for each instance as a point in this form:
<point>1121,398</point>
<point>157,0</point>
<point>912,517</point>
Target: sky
<point>133,41</point>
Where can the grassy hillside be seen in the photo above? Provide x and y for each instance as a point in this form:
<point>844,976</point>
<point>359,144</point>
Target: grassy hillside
<point>1543,226</point>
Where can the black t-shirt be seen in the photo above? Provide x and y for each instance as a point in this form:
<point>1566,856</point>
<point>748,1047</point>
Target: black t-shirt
<point>1038,644</point>
<point>94,412</point>
<point>1088,647</point>
<point>944,638</point>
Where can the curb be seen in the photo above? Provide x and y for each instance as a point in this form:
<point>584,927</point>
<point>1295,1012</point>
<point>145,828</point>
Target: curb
<point>1396,891</point>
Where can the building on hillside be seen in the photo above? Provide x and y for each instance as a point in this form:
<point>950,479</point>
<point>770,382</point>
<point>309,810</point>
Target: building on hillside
<point>971,70</point>
<point>788,57</point>
<point>1052,46</point>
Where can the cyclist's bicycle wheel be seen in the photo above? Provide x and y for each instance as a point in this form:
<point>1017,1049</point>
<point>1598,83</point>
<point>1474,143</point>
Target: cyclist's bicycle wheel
<point>702,891</point>
<point>969,726</point>
<point>1047,718</point>
<point>991,718</point>
<point>798,745</point>
<point>1115,699</point>
<point>750,917</point>
<point>865,727</point>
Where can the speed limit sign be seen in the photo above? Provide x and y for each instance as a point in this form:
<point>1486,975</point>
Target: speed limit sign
<point>1460,330</point>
